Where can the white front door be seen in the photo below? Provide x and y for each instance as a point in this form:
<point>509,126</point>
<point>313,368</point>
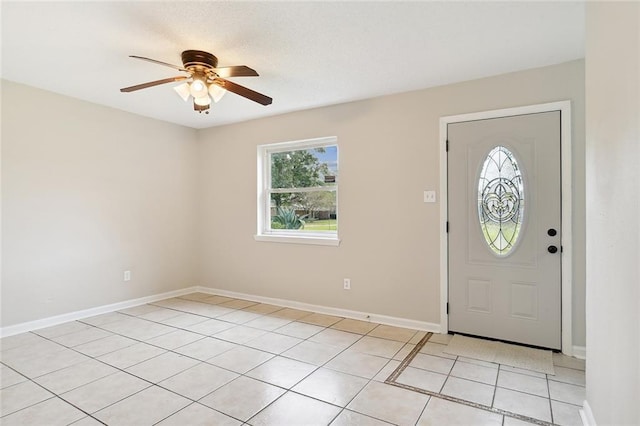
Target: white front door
<point>504,218</point>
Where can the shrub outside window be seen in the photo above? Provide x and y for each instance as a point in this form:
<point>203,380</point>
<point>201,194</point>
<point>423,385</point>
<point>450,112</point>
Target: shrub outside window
<point>298,192</point>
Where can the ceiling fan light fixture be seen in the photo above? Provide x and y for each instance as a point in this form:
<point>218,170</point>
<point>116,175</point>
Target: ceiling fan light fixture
<point>198,88</point>
<point>183,91</point>
<point>216,92</point>
<point>202,101</point>
<point>205,82</point>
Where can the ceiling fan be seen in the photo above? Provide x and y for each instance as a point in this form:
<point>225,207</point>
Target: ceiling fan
<point>205,82</point>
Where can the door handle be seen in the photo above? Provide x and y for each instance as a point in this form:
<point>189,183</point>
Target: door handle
<point>552,249</point>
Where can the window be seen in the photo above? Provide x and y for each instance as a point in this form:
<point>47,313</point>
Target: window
<point>501,200</point>
<point>298,192</point>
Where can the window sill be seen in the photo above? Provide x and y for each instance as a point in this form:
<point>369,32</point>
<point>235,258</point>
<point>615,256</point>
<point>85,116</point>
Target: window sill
<point>318,241</point>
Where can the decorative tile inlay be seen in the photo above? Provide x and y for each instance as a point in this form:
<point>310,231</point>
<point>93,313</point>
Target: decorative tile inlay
<point>520,395</point>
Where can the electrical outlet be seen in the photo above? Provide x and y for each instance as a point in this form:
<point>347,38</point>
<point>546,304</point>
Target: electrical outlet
<point>127,275</point>
<point>347,284</point>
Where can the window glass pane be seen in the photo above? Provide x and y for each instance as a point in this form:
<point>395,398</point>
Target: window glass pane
<point>304,168</point>
<point>500,200</point>
<point>313,211</point>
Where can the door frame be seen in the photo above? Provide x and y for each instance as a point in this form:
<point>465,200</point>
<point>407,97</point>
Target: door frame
<point>566,242</point>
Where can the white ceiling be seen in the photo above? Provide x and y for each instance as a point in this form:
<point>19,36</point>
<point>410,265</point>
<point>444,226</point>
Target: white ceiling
<point>308,54</point>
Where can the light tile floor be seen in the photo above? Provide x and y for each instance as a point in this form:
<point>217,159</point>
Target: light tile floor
<point>204,359</point>
<point>496,388</point>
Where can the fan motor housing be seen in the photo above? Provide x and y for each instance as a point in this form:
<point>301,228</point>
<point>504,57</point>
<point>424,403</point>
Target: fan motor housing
<point>198,59</point>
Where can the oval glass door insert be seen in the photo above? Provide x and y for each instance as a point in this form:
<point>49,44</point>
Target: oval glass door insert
<point>500,200</point>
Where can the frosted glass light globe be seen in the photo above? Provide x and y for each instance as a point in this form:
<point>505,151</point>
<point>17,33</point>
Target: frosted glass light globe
<point>198,89</point>
<point>203,101</point>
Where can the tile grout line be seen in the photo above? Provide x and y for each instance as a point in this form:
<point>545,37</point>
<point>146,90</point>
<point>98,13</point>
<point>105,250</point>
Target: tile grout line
<point>312,372</point>
<point>200,361</point>
<point>392,380</point>
<point>125,371</point>
<point>546,376</point>
<point>342,409</point>
<point>328,327</point>
<point>92,381</point>
<point>54,395</point>
<point>495,388</point>
<point>170,350</point>
<point>60,396</point>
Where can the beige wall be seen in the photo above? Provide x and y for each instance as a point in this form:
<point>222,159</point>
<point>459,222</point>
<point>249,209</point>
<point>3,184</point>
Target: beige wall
<point>388,156</point>
<point>88,192</point>
<point>613,211</point>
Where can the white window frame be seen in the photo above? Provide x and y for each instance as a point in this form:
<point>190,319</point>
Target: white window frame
<point>265,233</point>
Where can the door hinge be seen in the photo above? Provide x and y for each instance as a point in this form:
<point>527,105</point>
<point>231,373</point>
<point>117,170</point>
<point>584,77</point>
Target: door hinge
<point>447,308</point>
<point>447,146</point>
<point>447,226</point>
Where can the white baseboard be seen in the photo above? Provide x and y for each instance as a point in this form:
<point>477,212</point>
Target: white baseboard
<point>78,315</point>
<point>580,352</point>
<point>587,415</point>
<point>85,313</point>
<point>346,313</point>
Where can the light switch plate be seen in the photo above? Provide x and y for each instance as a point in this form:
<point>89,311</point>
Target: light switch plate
<point>429,196</point>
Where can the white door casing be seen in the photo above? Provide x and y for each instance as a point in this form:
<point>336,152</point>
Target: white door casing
<point>519,255</point>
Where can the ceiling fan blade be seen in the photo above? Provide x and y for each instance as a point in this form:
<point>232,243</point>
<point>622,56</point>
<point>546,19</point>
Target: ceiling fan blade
<point>153,83</point>
<point>243,91</point>
<point>236,71</point>
<point>159,62</point>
